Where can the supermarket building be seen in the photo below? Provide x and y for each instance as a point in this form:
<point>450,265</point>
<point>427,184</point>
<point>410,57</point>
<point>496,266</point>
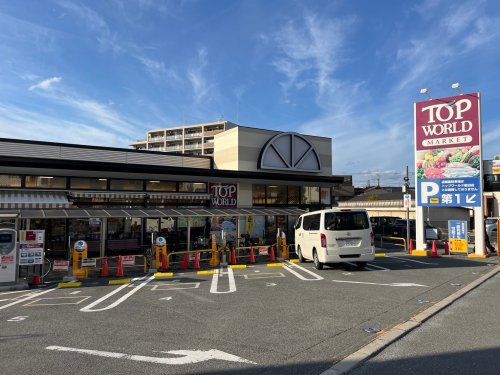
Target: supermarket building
<point>118,200</point>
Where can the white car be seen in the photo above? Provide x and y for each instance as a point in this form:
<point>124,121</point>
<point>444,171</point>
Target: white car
<point>335,236</point>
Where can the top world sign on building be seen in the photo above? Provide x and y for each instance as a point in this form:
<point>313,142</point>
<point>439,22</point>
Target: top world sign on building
<point>448,151</point>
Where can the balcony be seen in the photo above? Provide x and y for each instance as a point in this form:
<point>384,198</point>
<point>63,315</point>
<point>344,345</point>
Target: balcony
<point>174,137</point>
<point>156,149</point>
<point>192,146</point>
<point>209,133</point>
<point>156,139</point>
<point>193,135</point>
<point>173,148</point>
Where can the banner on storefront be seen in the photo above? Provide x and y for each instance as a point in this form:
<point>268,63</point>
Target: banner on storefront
<point>448,151</point>
<point>223,195</point>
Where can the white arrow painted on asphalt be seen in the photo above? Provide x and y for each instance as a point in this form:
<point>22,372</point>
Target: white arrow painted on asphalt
<point>166,298</point>
<point>186,356</point>
<point>390,284</point>
<point>470,198</point>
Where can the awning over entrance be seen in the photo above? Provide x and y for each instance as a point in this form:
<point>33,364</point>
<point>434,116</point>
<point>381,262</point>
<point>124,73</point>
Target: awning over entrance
<point>124,195</point>
<point>35,199</point>
<point>166,212</point>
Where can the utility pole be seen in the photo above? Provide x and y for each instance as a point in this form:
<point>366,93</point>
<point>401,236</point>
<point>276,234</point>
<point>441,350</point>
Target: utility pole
<point>407,203</point>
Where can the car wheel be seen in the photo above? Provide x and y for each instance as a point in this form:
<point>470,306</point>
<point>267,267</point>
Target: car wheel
<point>299,255</point>
<point>361,265</point>
<point>317,264</point>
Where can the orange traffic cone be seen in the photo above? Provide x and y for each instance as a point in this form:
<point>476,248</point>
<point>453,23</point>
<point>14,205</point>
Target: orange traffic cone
<point>252,256</point>
<point>434,253</point>
<point>411,247</point>
<point>197,260</point>
<point>105,268</point>
<point>119,270</point>
<point>233,257</point>
<point>185,262</point>
<point>446,248</point>
<point>37,280</point>
<point>272,256</point>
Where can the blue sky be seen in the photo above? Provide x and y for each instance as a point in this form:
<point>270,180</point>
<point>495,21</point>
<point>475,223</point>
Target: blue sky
<point>104,72</point>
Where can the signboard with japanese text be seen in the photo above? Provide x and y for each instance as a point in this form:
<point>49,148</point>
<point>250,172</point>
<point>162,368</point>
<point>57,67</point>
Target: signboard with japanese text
<point>60,265</point>
<point>458,236</point>
<point>448,152</point>
<point>31,247</point>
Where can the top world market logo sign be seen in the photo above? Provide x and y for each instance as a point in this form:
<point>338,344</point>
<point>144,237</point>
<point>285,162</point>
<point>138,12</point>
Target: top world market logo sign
<point>448,151</point>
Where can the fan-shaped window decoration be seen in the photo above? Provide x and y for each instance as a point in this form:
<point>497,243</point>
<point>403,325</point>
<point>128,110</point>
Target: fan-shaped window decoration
<point>290,152</point>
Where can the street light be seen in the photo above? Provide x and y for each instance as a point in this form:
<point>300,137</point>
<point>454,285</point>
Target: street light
<point>456,86</point>
<point>407,191</point>
<point>425,91</point>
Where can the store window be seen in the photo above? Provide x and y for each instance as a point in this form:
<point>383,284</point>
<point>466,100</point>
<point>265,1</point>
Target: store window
<point>326,196</point>
<point>310,195</point>
<point>124,236</point>
<point>161,186</point>
<point>88,183</point>
<point>10,181</point>
<point>270,235</point>
<point>259,194</point>
<point>88,230</point>
<point>45,182</point>
<point>135,185</point>
<point>293,194</point>
<point>55,236</point>
<point>193,187</point>
<point>276,194</point>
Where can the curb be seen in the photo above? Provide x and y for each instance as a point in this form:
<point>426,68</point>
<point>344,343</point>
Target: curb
<point>163,275</point>
<point>385,339</point>
<point>119,281</point>
<point>206,273</point>
<point>75,284</point>
<point>275,265</point>
<point>238,266</point>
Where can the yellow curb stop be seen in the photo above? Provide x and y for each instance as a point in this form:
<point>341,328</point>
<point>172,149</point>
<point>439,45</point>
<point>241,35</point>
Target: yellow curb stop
<point>206,273</point>
<point>75,284</point>
<point>478,256</point>
<point>163,275</point>
<point>294,261</point>
<point>380,255</point>
<point>420,253</point>
<point>275,265</point>
<point>238,266</point>
<point>119,281</point>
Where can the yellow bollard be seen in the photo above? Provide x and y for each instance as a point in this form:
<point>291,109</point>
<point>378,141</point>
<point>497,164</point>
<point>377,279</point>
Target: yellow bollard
<point>284,249</point>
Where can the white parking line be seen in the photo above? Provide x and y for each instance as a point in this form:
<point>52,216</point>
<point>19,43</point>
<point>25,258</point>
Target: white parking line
<point>26,299</point>
<point>78,299</point>
<point>215,281</point>
<point>88,308</point>
<point>412,260</point>
<point>175,286</point>
<point>76,292</point>
<point>289,266</point>
<point>16,291</point>
<point>379,267</point>
<point>383,284</point>
<point>266,275</point>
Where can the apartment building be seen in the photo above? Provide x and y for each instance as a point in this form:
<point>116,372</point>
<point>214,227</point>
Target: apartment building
<point>191,140</point>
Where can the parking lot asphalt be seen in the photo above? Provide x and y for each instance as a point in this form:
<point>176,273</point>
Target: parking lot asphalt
<point>463,339</point>
<point>291,319</point>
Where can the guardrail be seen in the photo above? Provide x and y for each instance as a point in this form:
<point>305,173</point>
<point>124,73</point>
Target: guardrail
<point>392,243</point>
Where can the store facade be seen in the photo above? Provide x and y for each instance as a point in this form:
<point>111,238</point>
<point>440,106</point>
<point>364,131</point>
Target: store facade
<point>120,200</point>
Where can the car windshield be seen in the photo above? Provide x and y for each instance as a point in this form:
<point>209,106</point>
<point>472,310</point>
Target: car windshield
<point>346,221</point>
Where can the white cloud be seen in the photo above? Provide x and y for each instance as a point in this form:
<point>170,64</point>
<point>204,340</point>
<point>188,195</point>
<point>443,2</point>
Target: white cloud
<point>196,76</point>
<point>46,84</point>
<point>20,123</point>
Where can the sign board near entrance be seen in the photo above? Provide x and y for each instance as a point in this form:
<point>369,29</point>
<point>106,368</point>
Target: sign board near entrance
<point>448,151</point>
<point>457,235</point>
<point>223,195</point>
<point>31,247</point>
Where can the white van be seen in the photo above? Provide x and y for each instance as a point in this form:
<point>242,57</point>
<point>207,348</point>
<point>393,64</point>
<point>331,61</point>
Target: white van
<point>335,236</point>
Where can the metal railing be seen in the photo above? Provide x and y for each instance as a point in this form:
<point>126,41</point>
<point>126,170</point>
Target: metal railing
<point>392,243</point>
